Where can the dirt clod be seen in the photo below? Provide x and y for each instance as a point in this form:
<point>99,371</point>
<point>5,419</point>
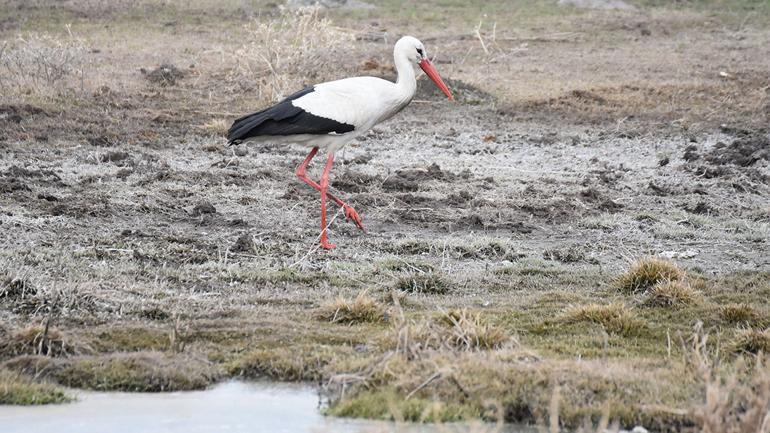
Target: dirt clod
<point>203,208</point>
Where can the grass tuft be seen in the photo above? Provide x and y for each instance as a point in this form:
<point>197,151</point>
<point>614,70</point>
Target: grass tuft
<point>33,340</point>
<point>19,389</point>
<point>363,309</point>
<point>752,341</point>
<point>647,272</point>
<point>614,318</point>
<point>424,283</point>
<point>136,372</point>
<point>739,314</point>
<point>671,294</point>
<point>467,331</point>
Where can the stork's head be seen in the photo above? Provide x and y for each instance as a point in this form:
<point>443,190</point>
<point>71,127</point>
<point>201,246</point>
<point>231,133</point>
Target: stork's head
<point>414,51</point>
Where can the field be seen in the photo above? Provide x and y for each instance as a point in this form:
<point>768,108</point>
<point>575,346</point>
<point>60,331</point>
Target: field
<point>583,237</point>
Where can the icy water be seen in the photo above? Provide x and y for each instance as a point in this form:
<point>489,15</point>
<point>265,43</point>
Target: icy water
<point>231,407</point>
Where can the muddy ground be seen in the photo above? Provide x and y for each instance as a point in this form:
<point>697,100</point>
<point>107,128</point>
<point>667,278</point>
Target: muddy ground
<point>581,142</point>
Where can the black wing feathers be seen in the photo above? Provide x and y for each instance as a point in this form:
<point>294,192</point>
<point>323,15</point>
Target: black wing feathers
<point>284,119</point>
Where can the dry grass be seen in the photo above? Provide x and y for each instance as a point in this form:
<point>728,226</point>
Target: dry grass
<point>20,389</point>
<point>647,272</point>
<point>752,341</point>
<point>283,55</point>
<point>423,283</point>
<point>736,402</point>
<point>137,371</point>
<point>43,65</point>
<point>455,331</point>
<point>468,331</point>
<point>671,294</point>
<point>217,127</point>
<point>615,318</point>
<point>739,314</point>
<point>363,309</point>
<point>34,340</point>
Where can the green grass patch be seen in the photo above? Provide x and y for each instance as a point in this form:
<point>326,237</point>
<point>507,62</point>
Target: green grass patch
<point>19,389</point>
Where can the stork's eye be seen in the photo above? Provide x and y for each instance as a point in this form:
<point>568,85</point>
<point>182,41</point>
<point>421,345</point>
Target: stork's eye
<point>420,52</point>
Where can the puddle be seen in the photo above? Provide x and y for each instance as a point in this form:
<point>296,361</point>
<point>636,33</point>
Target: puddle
<point>227,407</point>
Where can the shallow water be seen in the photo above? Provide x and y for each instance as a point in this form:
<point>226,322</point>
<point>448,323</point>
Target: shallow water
<point>228,407</point>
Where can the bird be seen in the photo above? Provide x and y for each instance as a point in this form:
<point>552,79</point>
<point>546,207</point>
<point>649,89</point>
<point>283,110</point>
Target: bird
<point>330,115</point>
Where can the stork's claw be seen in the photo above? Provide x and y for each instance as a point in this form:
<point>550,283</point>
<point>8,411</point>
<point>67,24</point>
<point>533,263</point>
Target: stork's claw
<point>351,214</point>
<point>327,246</point>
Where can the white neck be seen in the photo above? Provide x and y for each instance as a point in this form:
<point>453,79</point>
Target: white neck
<point>406,84</point>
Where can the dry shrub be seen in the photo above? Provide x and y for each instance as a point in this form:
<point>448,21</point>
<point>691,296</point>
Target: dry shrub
<point>647,272</point>
<point>616,317</point>
<point>282,55</point>
<point>739,313</point>
<point>43,65</point>
<point>752,341</point>
<point>363,309</point>
<point>671,294</point>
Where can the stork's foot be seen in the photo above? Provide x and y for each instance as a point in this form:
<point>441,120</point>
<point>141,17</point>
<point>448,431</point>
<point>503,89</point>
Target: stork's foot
<point>326,245</point>
<point>351,214</point>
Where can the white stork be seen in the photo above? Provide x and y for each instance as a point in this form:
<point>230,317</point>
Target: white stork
<point>330,115</point>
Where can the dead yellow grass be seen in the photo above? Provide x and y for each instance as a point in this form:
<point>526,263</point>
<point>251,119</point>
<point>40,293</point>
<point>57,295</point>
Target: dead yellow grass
<point>363,309</point>
<point>671,294</point>
<point>647,272</point>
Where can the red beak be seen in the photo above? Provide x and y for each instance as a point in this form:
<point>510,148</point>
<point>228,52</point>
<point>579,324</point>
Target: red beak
<point>432,73</point>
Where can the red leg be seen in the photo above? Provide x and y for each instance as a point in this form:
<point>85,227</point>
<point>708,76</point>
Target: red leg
<point>324,186</point>
<point>350,213</point>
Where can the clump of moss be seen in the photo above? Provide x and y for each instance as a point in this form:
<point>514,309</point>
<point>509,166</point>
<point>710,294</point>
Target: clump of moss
<point>739,314</point>
<point>752,341</point>
<point>648,272</point>
<point>425,283</point>
<point>671,294</point>
<point>363,309</point>
<point>615,318</point>
<point>140,371</point>
<point>20,389</point>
